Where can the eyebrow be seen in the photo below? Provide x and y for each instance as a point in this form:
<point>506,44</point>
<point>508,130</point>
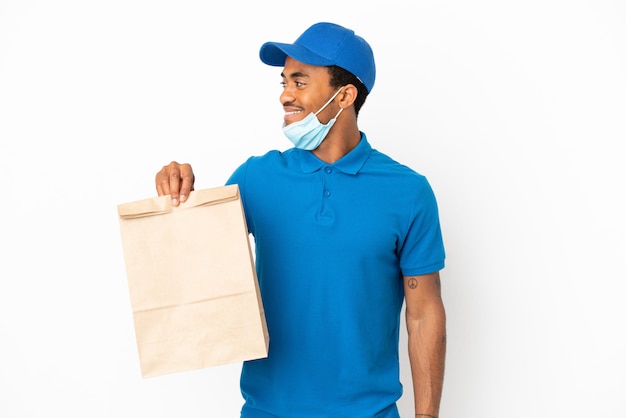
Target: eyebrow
<point>295,75</point>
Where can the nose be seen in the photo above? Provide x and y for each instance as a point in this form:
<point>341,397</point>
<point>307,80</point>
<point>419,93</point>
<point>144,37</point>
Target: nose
<point>286,96</point>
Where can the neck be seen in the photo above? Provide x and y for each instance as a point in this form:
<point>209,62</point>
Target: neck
<point>337,144</point>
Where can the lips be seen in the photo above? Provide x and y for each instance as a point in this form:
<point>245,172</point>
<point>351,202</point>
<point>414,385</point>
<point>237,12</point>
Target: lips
<point>292,115</point>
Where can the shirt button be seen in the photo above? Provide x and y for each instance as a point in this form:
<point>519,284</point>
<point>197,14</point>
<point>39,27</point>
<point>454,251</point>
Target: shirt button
<point>329,170</point>
<point>326,193</point>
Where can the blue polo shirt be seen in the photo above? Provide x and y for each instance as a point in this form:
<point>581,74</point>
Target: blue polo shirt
<point>332,243</point>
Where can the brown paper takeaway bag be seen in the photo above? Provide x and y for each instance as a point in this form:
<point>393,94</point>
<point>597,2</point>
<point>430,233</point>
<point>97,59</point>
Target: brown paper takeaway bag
<point>193,287</point>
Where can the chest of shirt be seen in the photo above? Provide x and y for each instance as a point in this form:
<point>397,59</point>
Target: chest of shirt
<point>330,208</point>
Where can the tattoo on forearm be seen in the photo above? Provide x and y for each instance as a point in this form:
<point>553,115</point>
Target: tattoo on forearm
<point>444,340</point>
<point>413,283</point>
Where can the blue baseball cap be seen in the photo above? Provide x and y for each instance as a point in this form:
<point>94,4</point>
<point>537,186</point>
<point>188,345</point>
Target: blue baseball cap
<point>326,44</point>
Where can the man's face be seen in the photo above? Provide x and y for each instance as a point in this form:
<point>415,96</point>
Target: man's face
<point>306,88</point>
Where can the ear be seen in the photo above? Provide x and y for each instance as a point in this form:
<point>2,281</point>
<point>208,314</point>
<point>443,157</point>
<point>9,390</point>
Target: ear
<point>347,96</point>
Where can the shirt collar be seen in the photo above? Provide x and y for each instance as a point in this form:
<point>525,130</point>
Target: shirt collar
<point>350,163</point>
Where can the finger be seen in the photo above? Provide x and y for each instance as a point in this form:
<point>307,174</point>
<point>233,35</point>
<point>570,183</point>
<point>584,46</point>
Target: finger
<point>174,180</point>
<point>161,181</point>
<point>186,183</point>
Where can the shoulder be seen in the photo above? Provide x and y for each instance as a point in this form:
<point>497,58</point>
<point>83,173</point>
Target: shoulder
<point>267,159</point>
<point>255,165</point>
<point>382,164</point>
<point>270,158</point>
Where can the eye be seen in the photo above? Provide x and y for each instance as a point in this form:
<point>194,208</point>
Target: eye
<point>297,84</point>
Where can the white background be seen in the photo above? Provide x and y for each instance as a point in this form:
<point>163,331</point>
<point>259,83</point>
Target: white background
<point>514,110</point>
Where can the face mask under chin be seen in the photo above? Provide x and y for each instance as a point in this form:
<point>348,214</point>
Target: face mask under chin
<point>308,133</point>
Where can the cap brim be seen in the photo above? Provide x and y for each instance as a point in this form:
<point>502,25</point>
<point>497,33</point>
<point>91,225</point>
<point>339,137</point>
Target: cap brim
<point>275,54</point>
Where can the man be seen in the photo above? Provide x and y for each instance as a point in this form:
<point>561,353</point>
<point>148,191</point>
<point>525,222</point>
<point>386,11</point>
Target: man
<point>343,236</point>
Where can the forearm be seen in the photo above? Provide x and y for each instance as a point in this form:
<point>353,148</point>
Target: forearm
<point>427,351</point>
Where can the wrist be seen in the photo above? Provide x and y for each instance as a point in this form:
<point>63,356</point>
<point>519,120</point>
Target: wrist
<point>426,416</point>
